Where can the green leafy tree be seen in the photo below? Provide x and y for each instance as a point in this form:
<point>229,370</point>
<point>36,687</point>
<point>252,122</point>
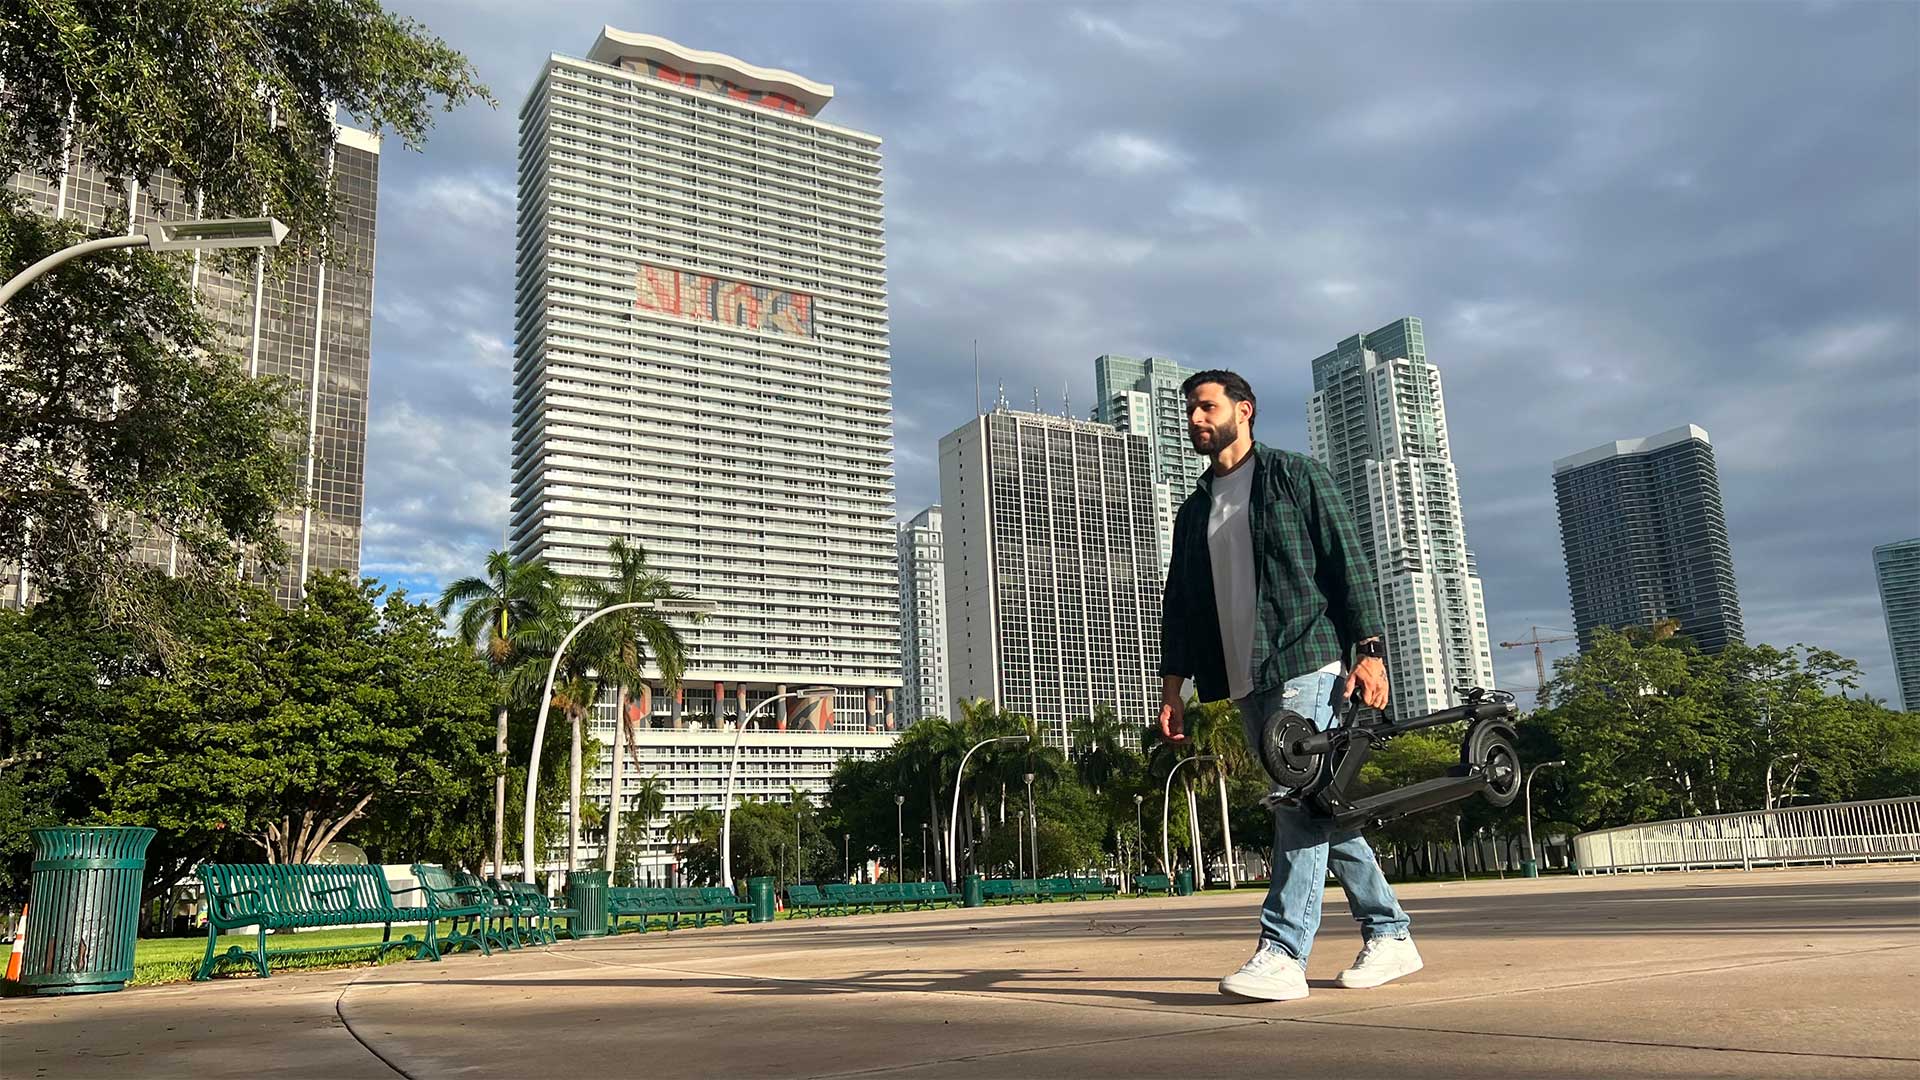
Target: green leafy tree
<point>118,411</point>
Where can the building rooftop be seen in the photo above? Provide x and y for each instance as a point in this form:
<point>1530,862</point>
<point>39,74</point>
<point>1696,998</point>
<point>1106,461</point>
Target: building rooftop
<point>614,46</point>
<point>1626,447</point>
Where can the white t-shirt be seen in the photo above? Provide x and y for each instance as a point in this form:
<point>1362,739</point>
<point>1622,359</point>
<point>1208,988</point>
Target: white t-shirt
<point>1230,549</point>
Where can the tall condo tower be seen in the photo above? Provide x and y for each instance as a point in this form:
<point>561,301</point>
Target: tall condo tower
<point>1053,578</point>
<point>1143,397</point>
<point>701,365</point>
<point>924,688</point>
<point>311,325</point>
<point>1377,421</point>
<point>1897,566</point>
<point>1646,537</point>
<point>700,361</point>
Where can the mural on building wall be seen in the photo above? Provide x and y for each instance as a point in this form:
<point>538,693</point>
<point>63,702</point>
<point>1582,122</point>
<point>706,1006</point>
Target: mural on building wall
<point>766,99</point>
<point>716,300</point>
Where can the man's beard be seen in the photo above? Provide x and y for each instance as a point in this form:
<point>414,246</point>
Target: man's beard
<point>1210,443</point>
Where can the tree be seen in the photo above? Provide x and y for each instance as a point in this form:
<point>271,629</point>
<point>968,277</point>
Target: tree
<point>635,638</point>
<point>649,802</point>
<point>492,608</point>
<point>117,410</point>
<point>276,733</point>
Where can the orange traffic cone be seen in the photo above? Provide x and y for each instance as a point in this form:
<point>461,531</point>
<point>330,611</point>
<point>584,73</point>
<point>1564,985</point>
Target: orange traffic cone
<point>19,947</point>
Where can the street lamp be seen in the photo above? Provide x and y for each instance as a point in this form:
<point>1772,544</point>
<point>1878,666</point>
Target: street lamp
<point>953,823</point>
<point>693,607</point>
<point>1528,788</point>
<point>1019,843</point>
<point>733,766</point>
<point>1140,830</point>
<point>846,856</point>
<point>924,833</point>
<point>162,236</point>
<point>1166,801</point>
<point>899,838</point>
<point>1033,823</point>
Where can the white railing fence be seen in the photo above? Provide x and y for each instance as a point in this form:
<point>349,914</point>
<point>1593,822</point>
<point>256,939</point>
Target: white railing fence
<point>1831,833</point>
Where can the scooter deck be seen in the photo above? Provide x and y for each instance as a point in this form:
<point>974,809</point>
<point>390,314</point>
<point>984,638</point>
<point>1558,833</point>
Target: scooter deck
<point>1411,799</point>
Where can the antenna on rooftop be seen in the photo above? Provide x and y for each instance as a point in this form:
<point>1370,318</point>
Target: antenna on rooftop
<point>977,410</point>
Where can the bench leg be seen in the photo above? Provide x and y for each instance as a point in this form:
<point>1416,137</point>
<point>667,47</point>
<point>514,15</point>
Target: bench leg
<point>206,966</point>
<point>261,956</point>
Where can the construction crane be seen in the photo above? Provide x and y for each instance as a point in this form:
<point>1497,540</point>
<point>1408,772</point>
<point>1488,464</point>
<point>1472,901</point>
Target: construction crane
<point>1539,660</point>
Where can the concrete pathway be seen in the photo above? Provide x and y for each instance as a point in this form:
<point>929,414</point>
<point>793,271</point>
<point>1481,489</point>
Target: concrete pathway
<point>1799,973</point>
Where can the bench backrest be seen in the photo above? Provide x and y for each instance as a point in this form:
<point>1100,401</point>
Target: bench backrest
<point>297,889</point>
<point>442,891</point>
<point>1152,881</point>
<point>804,894</point>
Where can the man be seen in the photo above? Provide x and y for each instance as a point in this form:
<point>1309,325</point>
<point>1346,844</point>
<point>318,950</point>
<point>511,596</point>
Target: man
<point>1268,593</point>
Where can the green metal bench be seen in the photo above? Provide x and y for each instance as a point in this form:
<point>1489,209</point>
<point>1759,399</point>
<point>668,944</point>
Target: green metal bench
<point>935,893</point>
<point>540,913</point>
<point>299,897</point>
<point>808,900</point>
<point>671,905</point>
<point>1152,883</point>
<point>448,899</point>
<point>1009,889</point>
<point>498,922</point>
<point>1084,887</point>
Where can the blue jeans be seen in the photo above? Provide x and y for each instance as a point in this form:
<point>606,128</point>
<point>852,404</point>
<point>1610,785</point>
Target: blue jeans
<point>1305,845</point>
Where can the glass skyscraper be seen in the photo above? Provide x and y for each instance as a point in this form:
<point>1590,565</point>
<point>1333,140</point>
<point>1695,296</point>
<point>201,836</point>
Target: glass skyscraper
<point>1897,566</point>
<point>1143,397</point>
<point>1377,420</point>
<point>310,324</point>
<point>1646,537</point>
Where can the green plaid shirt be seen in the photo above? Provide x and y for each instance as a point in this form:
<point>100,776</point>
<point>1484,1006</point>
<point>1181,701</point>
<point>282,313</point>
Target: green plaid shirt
<point>1316,593</point>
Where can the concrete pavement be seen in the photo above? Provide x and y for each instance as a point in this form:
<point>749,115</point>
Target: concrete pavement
<point>1798,973</point>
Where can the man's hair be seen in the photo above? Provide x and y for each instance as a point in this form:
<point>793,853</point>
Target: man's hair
<point>1232,385</point>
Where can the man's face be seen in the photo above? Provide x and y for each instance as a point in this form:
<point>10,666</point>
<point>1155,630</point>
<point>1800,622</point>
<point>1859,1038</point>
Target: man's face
<point>1213,418</point>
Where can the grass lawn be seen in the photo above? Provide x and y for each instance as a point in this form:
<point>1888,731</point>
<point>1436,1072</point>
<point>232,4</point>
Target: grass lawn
<point>165,960</point>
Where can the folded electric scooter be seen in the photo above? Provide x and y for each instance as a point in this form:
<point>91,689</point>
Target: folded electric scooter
<point>1321,769</point>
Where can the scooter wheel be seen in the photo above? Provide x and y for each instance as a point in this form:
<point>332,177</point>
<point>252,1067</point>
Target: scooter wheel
<point>1288,768</point>
<point>1500,763</point>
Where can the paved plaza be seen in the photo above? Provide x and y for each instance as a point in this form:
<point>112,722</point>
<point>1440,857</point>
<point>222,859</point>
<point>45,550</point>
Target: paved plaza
<point>1801,973</point>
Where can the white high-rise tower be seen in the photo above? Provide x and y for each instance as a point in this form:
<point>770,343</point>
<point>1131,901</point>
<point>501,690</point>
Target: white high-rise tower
<point>924,688</point>
<point>701,364</point>
<point>1377,421</point>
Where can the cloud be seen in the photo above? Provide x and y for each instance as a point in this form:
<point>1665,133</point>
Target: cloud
<point>1608,224</point>
<point>1128,153</point>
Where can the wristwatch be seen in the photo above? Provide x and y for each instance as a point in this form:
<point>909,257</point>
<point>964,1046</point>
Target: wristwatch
<point>1372,647</point>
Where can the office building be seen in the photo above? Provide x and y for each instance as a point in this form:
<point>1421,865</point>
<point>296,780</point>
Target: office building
<point>1144,397</point>
<point>1646,537</point>
<point>1053,576</point>
<point>1378,421</point>
<point>924,689</point>
<point>1897,566</point>
<point>701,364</point>
<point>309,324</point>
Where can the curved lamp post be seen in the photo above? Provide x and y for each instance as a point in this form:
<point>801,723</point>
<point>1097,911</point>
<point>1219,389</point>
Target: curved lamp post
<point>1166,799</point>
<point>733,765</point>
<point>1529,793</point>
<point>953,822</point>
<point>546,706</point>
<point>204,234</point>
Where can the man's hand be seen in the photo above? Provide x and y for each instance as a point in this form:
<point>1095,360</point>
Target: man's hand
<point>1369,680</point>
<point>1173,713</point>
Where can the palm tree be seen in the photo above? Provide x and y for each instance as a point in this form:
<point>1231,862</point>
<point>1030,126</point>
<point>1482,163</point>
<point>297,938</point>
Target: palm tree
<point>649,802</point>
<point>577,685</point>
<point>492,609</point>
<point>926,755</point>
<point>633,639</point>
<point>1097,749</point>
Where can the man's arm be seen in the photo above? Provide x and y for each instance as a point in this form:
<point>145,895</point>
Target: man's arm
<point>1176,660</point>
<point>1346,581</point>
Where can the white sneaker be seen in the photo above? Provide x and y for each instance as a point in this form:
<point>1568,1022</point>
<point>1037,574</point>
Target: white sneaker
<point>1382,960</point>
<point>1271,975</point>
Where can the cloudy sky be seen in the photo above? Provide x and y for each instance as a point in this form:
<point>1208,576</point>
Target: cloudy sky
<point>1614,219</point>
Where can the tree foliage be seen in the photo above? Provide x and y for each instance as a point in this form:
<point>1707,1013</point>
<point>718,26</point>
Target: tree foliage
<point>346,718</point>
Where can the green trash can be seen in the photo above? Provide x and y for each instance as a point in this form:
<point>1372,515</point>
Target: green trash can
<point>972,892</point>
<point>1183,882</point>
<point>587,894</point>
<point>83,913</point>
<point>760,897</point>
